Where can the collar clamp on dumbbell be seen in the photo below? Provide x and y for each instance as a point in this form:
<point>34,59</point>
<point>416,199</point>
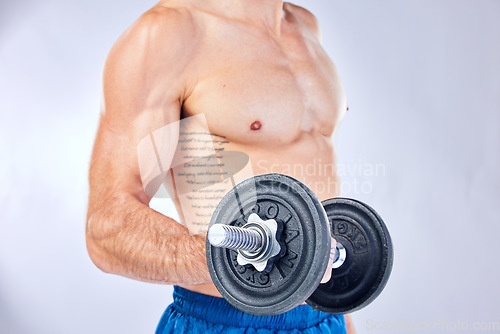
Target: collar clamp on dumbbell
<point>256,242</point>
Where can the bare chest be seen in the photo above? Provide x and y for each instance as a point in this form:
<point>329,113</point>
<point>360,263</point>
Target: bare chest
<point>288,85</point>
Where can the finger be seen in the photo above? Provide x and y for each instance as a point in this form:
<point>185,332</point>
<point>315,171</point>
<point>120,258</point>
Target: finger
<point>328,273</point>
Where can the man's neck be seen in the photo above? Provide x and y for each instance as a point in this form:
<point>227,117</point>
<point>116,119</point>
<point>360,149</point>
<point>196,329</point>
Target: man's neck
<point>266,12</point>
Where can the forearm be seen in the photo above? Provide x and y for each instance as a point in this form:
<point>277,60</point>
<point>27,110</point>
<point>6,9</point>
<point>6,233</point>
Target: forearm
<point>135,241</point>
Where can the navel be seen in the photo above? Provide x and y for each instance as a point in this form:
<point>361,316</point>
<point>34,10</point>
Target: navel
<point>256,126</point>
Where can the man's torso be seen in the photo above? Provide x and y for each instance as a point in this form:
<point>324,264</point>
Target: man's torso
<point>241,73</point>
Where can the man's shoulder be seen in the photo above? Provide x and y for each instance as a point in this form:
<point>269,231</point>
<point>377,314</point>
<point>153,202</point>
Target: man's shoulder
<point>305,16</point>
<point>165,28</point>
<point>165,18</point>
<point>161,37</point>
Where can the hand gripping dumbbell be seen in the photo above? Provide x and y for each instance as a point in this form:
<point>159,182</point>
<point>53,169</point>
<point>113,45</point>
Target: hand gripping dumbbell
<point>268,247</point>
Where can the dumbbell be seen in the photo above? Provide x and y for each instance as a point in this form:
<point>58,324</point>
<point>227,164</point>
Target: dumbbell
<point>268,247</point>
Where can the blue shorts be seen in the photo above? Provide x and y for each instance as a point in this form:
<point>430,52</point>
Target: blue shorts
<point>193,312</point>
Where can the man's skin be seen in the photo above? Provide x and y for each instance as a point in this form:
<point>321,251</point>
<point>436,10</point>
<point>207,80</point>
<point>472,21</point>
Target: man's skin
<point>239,63</point>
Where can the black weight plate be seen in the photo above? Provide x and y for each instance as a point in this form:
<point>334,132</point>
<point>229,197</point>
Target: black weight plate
<point>295,275</point>
<point>368,264</point>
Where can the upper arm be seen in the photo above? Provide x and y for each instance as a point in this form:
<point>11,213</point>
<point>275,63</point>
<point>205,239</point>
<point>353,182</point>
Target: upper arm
<point>144,83</point>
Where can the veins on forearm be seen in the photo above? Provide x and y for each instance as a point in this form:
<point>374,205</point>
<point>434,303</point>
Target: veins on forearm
<point>139,243</point>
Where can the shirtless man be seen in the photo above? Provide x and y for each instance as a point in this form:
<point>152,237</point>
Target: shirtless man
<point>257,71</point>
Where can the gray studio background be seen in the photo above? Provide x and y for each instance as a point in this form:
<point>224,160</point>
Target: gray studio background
<point>422,80</point>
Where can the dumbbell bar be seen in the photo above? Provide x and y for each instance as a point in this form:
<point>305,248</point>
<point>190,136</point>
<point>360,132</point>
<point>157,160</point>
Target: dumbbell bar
<point>268,247</point>
<point>256,243</point>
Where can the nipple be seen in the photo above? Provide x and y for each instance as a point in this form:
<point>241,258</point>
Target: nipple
<point>255,126</point>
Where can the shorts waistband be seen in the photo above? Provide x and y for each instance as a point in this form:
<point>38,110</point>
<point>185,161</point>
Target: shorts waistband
<point>218,310</point>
